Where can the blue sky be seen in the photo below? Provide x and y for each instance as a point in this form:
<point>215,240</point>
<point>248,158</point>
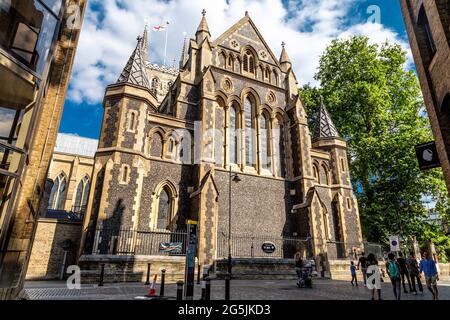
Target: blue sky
<point>111,26</point>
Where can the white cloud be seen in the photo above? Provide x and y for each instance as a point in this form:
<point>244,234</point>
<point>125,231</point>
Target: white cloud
<point>109,34</point>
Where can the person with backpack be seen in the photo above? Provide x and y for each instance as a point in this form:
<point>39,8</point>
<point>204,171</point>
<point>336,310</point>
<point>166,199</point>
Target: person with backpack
<point>413,269</point>
<point>363,263</point>
<point>393,270</point>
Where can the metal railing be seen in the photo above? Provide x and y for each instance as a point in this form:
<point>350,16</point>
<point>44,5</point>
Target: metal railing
<point>251,246</point>
<point>135,242</point>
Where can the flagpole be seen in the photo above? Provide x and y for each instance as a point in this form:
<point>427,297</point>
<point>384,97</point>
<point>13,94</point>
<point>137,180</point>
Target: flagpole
<point>165,47</point>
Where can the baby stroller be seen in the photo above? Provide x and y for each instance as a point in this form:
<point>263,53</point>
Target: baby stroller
<point>304,275</point>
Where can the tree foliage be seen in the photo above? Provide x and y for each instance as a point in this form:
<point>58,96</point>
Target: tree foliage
<point>378,108</point>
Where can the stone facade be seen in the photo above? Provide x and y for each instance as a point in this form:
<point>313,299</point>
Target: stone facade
<point>158,163</point>
<point>47,255</point>
<point>428,26</point>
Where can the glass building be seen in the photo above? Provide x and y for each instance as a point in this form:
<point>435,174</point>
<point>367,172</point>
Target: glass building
<point>29,33</point>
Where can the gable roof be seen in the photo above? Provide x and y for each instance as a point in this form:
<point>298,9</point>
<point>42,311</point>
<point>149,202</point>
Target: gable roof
<point>239,24</point>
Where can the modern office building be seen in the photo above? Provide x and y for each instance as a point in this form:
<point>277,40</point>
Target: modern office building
<point>38,39</point>
<point>428,26</point>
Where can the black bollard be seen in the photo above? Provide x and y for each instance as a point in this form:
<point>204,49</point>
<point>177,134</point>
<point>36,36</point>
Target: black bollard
<point>180,285</point>
<point>227,286</point>
<point>102,274</point>
<point>205,275</point>
<point>207,289</point>
<point>163,280</point>
<point>148,274</point>
<point>198,273</point>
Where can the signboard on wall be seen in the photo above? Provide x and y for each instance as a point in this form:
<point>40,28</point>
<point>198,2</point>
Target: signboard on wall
<point>395,243</point>
<point>427,156</point>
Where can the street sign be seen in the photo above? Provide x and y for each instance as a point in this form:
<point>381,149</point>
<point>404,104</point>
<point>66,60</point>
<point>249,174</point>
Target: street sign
<point>395,244</point>
<point>190,258</point>
<point>427,156</point>
<point>268,247</point>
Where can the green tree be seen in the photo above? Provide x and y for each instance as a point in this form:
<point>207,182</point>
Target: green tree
<point>378,108</point>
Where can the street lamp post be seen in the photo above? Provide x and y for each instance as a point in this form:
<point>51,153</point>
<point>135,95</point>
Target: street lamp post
<point>236,179</point>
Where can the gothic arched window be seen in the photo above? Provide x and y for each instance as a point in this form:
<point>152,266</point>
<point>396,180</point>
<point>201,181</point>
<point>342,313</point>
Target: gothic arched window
<point>279,148</point>
<point>164,209</point>
<point>82,194</point>
<point>249,62</point>
<point>58,193</point>
<point>325,223</point>
<point>156,147</point>
<point>265,141</point>
<point>249,140</point>
<point>234,120</point>
<point>316,174</point>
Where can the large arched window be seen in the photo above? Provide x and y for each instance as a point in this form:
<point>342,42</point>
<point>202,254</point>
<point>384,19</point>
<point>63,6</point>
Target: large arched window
<point>58,193</point>
<point>265,142</point>
<point>249,139</point>
<point>279,149</point>
<point>82,194</point>
<point>233,145</point>
<point>426,34</point>
<point>164,209</point>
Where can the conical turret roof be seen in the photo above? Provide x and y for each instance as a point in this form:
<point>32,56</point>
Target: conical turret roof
<point>324,127</point>
<point>135,71</point>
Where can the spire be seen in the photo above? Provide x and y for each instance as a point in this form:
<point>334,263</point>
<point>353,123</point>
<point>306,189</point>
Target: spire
<point>183,59</point>
<point>144,45</point>
<point>135,71</point>
<point>285,61</point>
<point>203,29</point>
<point>325,127</point>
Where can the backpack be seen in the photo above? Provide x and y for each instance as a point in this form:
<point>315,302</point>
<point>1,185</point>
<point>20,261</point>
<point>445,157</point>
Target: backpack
<point>394,271</point>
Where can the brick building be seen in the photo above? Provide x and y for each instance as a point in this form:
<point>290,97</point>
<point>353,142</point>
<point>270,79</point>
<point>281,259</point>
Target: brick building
<point>232,111</point>
<point>38,40</point>
<point>428,26</point>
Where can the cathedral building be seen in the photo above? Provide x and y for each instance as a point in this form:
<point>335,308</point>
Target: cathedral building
<point>175,143</point>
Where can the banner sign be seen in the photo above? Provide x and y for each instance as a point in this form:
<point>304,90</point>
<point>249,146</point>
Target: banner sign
<point>427,156</point>
<point>171,247</point>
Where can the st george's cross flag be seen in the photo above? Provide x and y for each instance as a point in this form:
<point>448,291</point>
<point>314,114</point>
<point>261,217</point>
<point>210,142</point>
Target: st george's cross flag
<point>160,28</point>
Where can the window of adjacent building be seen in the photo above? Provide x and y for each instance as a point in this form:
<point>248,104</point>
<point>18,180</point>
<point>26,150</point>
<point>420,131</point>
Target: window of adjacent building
<point>27,29</point>
<point>82,195</point>
<point>233,135</point>
<point>425,29</point>
<point>164,209</point>
<point>58,193</point>
<point>249,139</point>
<point>265,142</point>
<point>155,84</point>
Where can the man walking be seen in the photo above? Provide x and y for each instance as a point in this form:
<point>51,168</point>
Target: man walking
<point>404,272</point>
<point>428,267</point>
<point>413,269</point>
<point>393,270</point>
<point>363,263</point>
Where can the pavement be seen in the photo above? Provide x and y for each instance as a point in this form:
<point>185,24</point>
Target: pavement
<point>240,290</point>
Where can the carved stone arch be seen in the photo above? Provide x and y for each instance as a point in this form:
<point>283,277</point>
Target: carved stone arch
<point>326,170</point>
<point>221,99</point>
<point>267,109</point>
<point>275,74</point>
<point>316,171</point>
<point>234,99</point>
<point>152,148</point>
<point>250,92</point>
<point>169,188</point>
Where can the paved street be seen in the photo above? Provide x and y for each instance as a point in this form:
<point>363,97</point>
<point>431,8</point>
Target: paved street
<point>240,290</point>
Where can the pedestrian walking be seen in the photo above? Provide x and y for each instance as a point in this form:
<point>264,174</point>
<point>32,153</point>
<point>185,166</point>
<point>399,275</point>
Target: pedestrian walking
<point>404,272</point>
<point>393,270</point>
<point>428,267</point>
<point>298,259</point>
<point>353,273</point>
<point>372,261</point>
<point>362,263</point>
<point>413,270</point>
